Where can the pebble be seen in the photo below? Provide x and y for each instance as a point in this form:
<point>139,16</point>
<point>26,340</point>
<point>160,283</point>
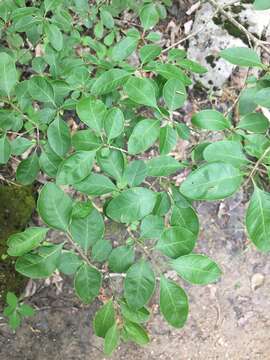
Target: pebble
<point>257,281</point>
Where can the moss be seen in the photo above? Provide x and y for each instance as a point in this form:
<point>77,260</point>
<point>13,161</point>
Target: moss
<point>16,207</point>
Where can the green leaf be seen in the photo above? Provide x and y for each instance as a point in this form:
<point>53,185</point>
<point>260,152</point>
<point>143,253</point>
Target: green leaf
<point>69,262</point>
<point>174,94</point>
<point>41,90</point>
<point>214,181</point>
<point>135,172</point>
<point>167,139</point>
<point>55,36</point>
<point>27,170</point>
<point>104,319</point>
<point>258,219</point>
<point>141,91</point>
<point>21,243</point>
<point>81,209</point>
<point>95,184</point>
<point>92,113</point>
<point>20,145</point>
<point>163,204</point>
<point>49,161</point>
<point>261,4</point>
<point>262,97</point>
<point>149,16</point>
<point>152,227</point>
<point>12,300</point>
<point>254,122</point>
<point>85,140</point>
<point>176,241</point>
<point>87,231</point>
<point>210,120</point>
<point>241,56</point>
<point>112,338</point>
<point>14,321</point>
<point>143,136</point>
<point>59,136</point>
<point>26,310</point>
<point>101,250</point>
<point>8,74</point>
<point>136,333</point>
<point>185,217</point>
<point>163,165</point>
<point>5,150</point>
<point>41,264</point>
<point>54,207</point>
<point>114,123</point>
<point>149,52</point>
<point>173,303</point>
<point>139,284</point>
<point>109,81</point>
<point>183,131</point>
<point>124,48</point>
<point>113,164</point>
<point>136,316</point>
<point>75,168</point>
<point>226,151</point>
<point>51,4</point>
<point>121,258</point>
<point>131,205</point>
<point>169,71</point>
<point>107,18</point>
<point>197,269</point>
<point>87,283</point>
<point>192,66</point>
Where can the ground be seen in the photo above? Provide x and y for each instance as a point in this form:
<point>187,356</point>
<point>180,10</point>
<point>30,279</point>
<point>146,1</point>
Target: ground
<point>228,320</point>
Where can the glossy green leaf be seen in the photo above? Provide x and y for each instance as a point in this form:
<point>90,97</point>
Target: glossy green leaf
<point>136,316</point>
<point>170,71</point>
<point>241,56</point>
<point>258,219</point>
<point>167,139</point>
<point>197,269</point>
<point>59,137</point>
<point>176,241</point>
<point>20,145</point>
<point>40,89</point>
<point>121,258</point>
<point>174,94</point>
<point>104,319</point>
<point>101,250</point>
<point>27,170</point>
<point>139,284</point>
<point>254,122</point>
<point>41,264</point>
<point>163,204</point>
<point>81,209</point>
<point>8,74</point>
<point>192,66</point>
<point>95,184</point>
<point>109,81</point>
<point>261,4</point>
<point>149,16</point>
<point>75,168</point>
<point>214,181</point>
<point>85,140</point>
<point>152,227</point>
<point>49,161</point>
<point>173,303</point>
<point>54,207</point>
<point>112,339</point>
<point>185,217</point>
<point>135,172</point>
<point>149,52</point>
<point>143,136</point>
<point>69,262</point>
<point>5,150</point>
<point>124,48</point>
<point>262,97</point>
<point>55,36</point>
<point>162,166</point>
<point>131,205</point>
<point>88,230</point>
<point>141,91</point>
<point>23,242</point>
<point>92,113</point>
<point>114,123</point>
<point>210,120</point>
<point>87,283</point>
<point>113,164</point>
<point>136,333</point>
<point>226,151</point>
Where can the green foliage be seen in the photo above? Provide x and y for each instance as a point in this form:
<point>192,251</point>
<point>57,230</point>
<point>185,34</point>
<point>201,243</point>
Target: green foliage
<point>97,134</point>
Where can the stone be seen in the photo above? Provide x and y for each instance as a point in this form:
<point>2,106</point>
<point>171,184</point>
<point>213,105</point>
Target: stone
<point>257,281</point>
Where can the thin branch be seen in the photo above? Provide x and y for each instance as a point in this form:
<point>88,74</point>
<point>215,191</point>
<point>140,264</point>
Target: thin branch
<point>248,34</point>
<point>256,167</point>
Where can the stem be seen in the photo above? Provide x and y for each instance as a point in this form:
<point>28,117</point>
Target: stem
<point>248,34</point>
<point>257,166</point>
